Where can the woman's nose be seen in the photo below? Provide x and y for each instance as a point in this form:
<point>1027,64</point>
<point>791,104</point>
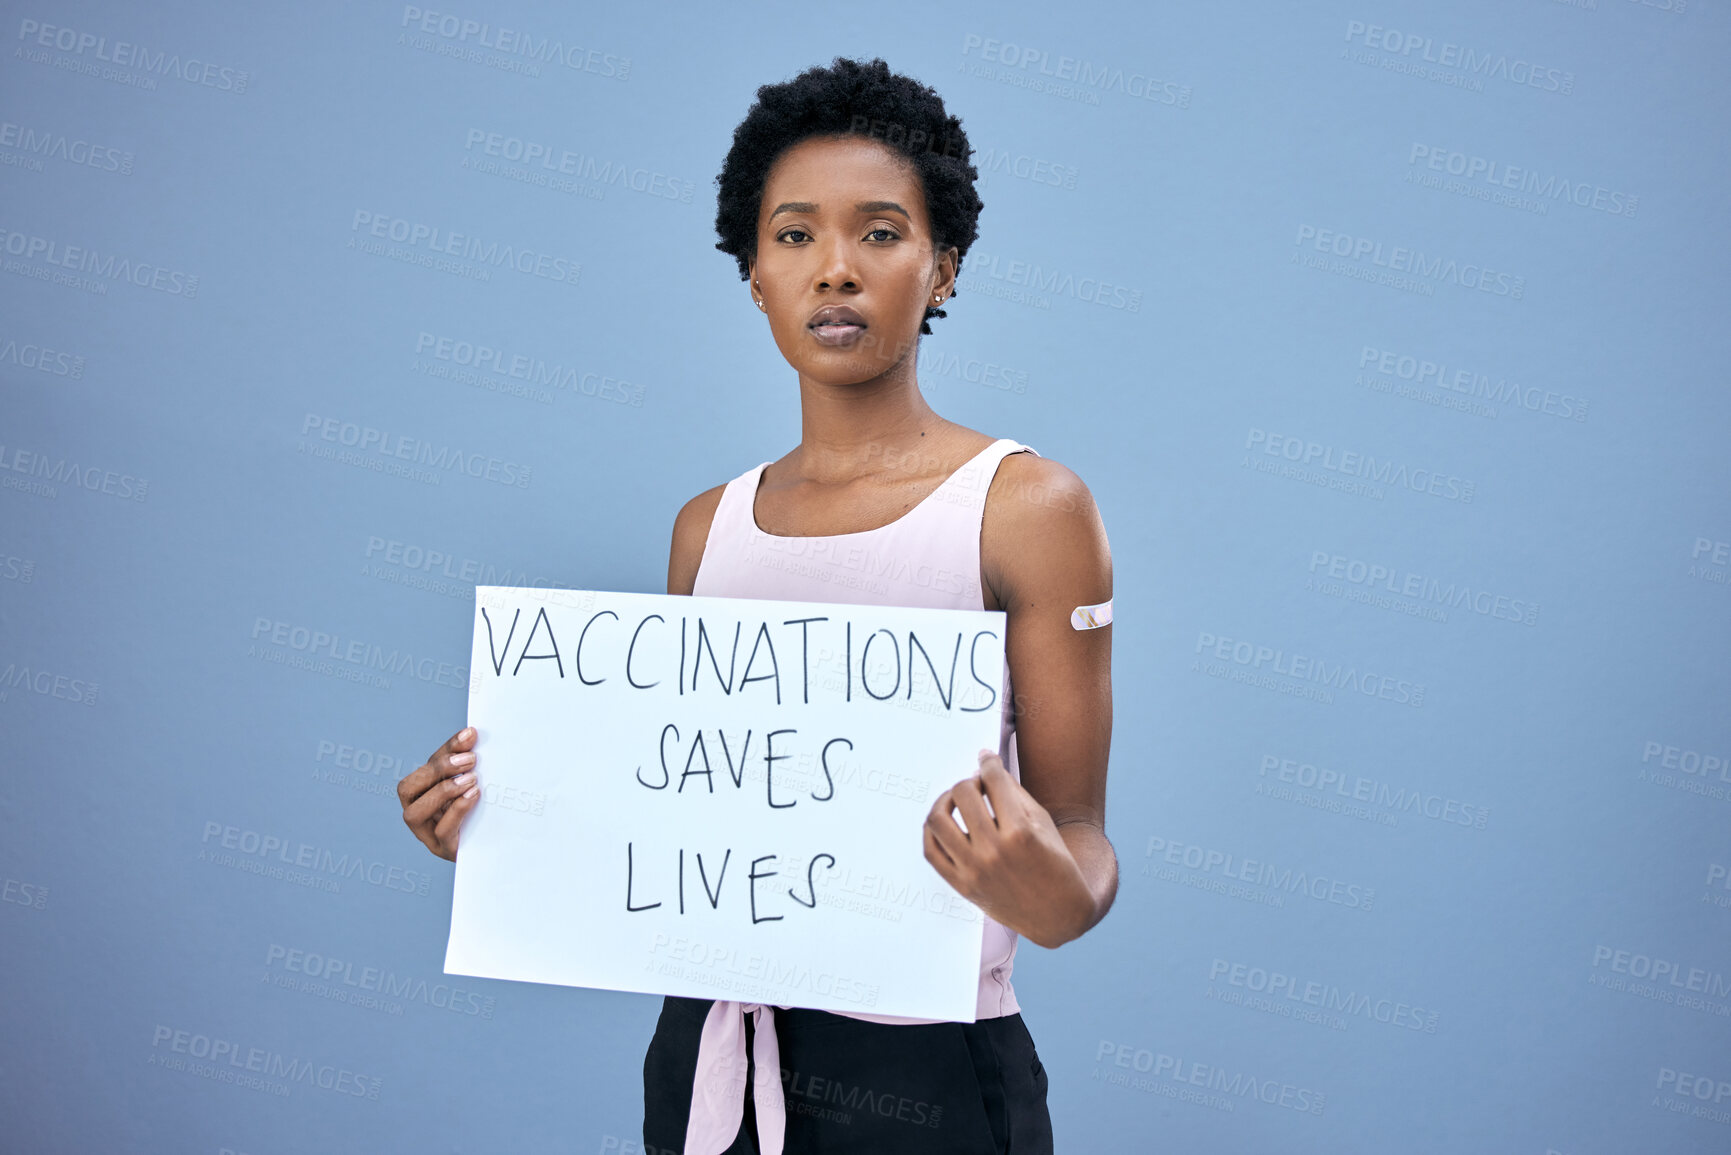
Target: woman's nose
<point>837,269</point>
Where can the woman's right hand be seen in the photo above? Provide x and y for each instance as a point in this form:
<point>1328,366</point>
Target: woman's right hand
<point>437,795</point>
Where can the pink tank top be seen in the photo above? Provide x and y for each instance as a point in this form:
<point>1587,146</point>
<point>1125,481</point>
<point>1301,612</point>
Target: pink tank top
<point>930,556</point>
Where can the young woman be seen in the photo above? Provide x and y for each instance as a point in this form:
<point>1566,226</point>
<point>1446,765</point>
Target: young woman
<point>848,201</point>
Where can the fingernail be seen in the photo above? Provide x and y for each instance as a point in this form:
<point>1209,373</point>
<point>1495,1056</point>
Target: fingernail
<point>468,732</point>
<point>984,753</point>
<point>462,759</point>
<point>471,791</point>
<point>462,778</point>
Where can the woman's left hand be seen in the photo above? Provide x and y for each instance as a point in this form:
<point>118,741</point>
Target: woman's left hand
<point>1015,866</point>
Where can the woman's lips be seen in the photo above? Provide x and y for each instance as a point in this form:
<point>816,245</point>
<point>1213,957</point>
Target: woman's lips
<point>837,332</point>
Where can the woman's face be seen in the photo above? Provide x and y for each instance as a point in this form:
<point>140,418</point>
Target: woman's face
<point>845,262</point>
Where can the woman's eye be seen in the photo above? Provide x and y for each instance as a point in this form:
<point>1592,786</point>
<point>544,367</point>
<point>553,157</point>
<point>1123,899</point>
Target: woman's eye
<point>888,234</point>
<point>793,235</point>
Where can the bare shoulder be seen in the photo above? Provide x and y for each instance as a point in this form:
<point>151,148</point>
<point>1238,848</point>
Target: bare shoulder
<point>690,533</point>
<point>1039,487</point>
<point>1042,529</point>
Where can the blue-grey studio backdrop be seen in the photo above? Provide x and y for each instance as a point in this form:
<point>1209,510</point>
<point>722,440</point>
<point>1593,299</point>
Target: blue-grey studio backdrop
<point>1390,336</point>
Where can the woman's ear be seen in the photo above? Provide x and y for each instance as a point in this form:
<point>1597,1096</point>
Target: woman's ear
<point>751,281</point>
<point>944,284</point>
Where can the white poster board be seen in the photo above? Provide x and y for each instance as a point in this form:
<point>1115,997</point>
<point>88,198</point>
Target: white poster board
<point>722,797</point>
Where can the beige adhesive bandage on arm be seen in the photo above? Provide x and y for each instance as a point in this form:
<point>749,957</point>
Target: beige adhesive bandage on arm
<point>1091,617</point>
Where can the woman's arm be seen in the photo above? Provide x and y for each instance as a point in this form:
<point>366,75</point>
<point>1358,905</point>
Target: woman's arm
<point>690,532</point>
<point>1043,867</point>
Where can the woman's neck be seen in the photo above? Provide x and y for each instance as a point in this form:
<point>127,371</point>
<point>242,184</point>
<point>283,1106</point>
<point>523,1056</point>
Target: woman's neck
<point>850,431</point>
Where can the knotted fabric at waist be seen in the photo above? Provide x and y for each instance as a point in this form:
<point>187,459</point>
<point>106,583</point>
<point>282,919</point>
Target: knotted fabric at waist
<point>718,1089</point>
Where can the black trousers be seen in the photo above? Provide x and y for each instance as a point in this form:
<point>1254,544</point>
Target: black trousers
<point>867,1088</point>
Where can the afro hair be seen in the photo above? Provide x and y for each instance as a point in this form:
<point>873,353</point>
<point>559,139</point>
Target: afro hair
<point>850,97</point>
